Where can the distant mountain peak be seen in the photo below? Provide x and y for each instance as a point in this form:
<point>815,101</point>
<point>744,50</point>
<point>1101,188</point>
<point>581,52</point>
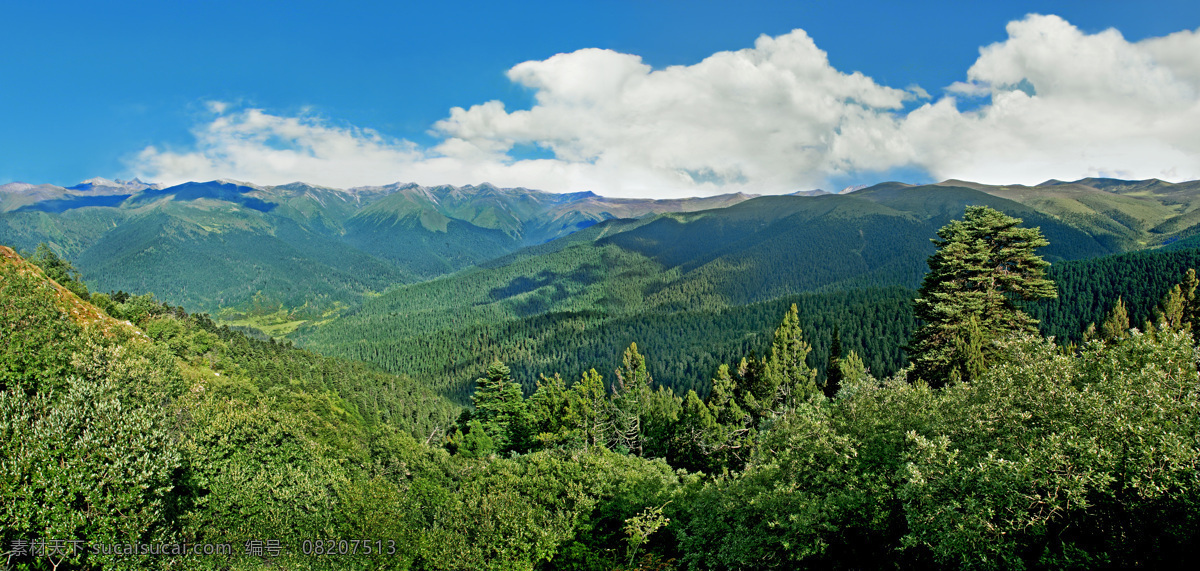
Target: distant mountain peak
<point>236,183</point>
<point>17,186</point>
<point>101,182</point>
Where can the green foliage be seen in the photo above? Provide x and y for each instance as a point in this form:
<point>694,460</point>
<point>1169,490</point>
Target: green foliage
<point>631,403</point>
<point>87,465</point>
<point>640,527</point>
<point>184,430</point>
<point>983,264</point>
<point>787,367</point>
<point>1088,289</point>
<point>1045,460</point>
<point>500,411</point>
<point>688,346</point>
<point>677,284</point>
<point>253,473</point>
<point>58,269</point>
<point>223,257</point>
<point>849,370</point>
<point>784,508</point>
<point>473,441</point>
<point>37,336</point>
<point>1116,327</point>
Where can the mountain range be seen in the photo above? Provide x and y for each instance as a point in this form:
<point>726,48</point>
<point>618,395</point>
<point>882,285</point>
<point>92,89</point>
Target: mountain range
<point>217,244</point>
<point>228,244</point>
<point>375,272</point>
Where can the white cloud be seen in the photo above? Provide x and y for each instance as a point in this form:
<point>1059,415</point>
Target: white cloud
<point>268,149</point>
<point>1057,103</point>
<point>1064,104</point>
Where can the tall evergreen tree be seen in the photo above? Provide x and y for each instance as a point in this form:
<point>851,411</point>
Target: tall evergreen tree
<point>1191,312</point>
<point>1117,325</point>
<point>631,397</point>
<point>787,368</point>
<point>984,263</point>
<point>1179,308</point>
<point>500,408</point>
<point>968,353</point>
<point>851,369</point>
<point>593,412</point>
<point>833,371</point>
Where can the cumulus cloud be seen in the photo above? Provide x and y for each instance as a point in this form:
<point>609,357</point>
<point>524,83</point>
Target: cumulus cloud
<point>1056,103</point>
<point>1065,104</point>
<point>774,118</point>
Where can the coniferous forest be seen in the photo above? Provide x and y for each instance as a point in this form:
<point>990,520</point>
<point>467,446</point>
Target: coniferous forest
<point>995,412</point>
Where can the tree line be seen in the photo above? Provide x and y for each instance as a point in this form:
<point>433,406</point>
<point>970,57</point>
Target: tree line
<point>996,448</point>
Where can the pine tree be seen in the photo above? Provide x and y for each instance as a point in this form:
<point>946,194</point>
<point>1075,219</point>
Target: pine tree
<point>968,353</point>
<point>592,415</point>
<point>1179,308</point>
<point>787,368</point>
<point>631,396</point>
<point>500,408</point>
<point>697,433</point>
<point>833,372</point>
<point>474,442</point>
<point>1117,325</point>
<point>984,263</point>
<point>851,369</point>
<point>1191,313</point>
<point>550,409</point>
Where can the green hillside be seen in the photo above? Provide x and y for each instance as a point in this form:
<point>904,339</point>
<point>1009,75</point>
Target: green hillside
<point>571,304</point>
<point>129,422</point>
<point>302,249</point>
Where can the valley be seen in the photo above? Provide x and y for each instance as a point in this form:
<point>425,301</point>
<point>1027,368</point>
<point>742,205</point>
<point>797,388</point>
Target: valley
<point>499,379</point>
<point>387,274</point>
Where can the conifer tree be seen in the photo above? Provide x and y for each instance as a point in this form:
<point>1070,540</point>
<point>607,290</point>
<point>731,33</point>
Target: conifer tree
<point>697,432</point>
<point>499,407</point>
<point>475,442</point>
<point>1171,310</point>
<point>787,368</point>
<point>984,263</point>
<point>833,372</point>
<point>1116,326</point>
<point>1191,312</point>
<point>631,396</point>
<point>1179,309</point>
<point>757,393</point>
<point>968,353</point>
<point>551,409</point>
<point>593,417</point>
<point>722,401</point>
<point>851,369</point>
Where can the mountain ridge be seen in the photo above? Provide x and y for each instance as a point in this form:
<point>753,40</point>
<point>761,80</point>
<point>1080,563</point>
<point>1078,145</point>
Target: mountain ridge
<point>364,240</point>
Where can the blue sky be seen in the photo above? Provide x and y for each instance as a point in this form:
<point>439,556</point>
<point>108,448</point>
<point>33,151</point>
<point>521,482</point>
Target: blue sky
<point>116,89</point>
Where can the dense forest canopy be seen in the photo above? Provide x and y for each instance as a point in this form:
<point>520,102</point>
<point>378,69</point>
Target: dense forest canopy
<point>810,441</point>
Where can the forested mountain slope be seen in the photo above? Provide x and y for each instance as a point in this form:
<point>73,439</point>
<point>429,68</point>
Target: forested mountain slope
<point>560,304</point>
<point>226,244</point>
<point>153,427</point>
<point>1137,213</point>
<point>316,257</point>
